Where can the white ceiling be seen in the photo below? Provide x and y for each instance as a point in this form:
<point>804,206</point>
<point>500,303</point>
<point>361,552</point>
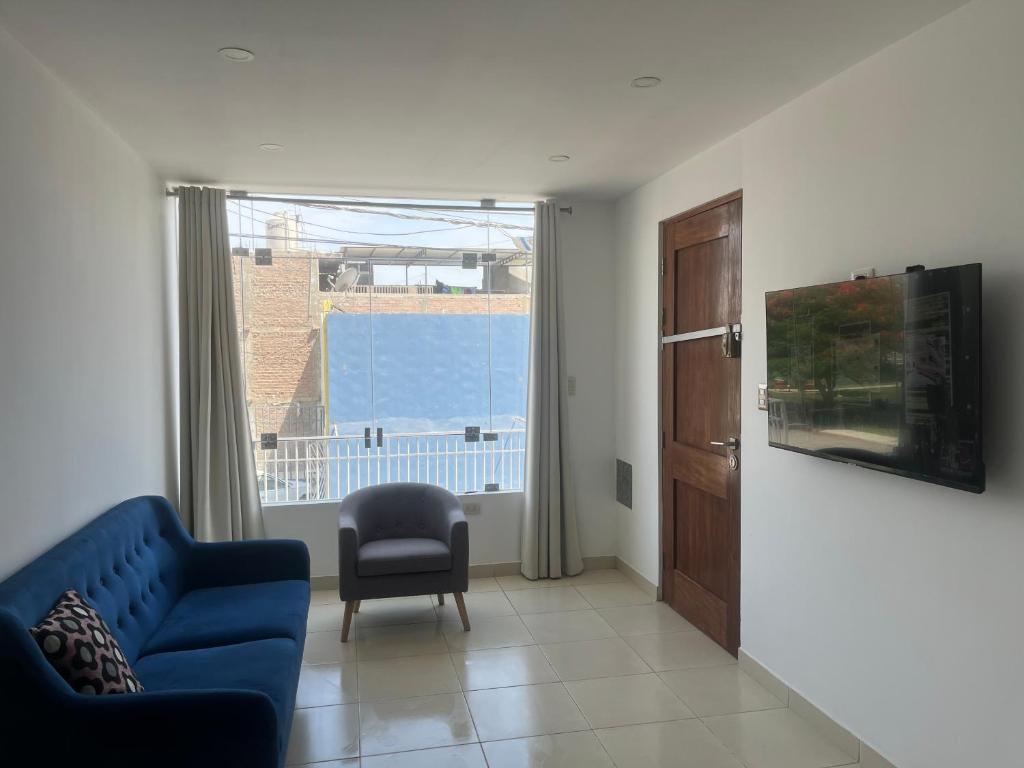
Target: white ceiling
<point>445,96</point>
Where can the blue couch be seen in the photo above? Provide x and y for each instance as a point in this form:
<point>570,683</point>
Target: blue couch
<point>214,632</point>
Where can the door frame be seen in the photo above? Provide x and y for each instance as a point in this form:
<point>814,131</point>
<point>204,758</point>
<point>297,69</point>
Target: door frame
<point>662,225</point>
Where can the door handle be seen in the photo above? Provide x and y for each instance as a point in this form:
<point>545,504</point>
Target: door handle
<point>732,443</point>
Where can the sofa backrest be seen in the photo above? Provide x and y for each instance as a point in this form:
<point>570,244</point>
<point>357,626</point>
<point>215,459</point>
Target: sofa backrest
<point>129,563</point>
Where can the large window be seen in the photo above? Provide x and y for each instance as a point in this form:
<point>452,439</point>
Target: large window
<point>383,343</point>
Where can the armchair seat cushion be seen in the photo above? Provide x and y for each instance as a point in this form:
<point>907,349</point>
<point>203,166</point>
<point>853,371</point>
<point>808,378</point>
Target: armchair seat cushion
<point>266,666</point>
<point>214,616</point>
<point>385,557</point>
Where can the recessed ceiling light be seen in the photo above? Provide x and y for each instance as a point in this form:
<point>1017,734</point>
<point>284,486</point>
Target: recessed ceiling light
<point>558,158</point>
<point>646,81</point>
<point>236,54</point>
<point>271,147</point>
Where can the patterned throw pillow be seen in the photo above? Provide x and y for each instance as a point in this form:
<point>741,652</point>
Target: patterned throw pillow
<point>80,646</point>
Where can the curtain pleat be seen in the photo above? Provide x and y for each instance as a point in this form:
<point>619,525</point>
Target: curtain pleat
<point>550,546</point>
<point>219,495</point>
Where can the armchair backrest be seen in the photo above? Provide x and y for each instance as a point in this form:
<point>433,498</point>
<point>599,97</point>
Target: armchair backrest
<point>128,562</point>
<point>400,511</point>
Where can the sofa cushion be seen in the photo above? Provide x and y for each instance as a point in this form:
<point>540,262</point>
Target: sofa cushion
<point>81,647</point>
<point>267,666</point>
<point>214,616</point>
<point>384,557</point>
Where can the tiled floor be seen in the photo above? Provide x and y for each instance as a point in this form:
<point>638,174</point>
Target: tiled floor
<point>585,671</point>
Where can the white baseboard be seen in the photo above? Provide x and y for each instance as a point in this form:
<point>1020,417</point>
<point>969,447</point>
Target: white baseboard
<point>323,582</point>
<point>829,729</point>
<point>651,590</point>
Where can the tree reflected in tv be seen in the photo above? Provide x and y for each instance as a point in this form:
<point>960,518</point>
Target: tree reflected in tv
<point>883,372</point>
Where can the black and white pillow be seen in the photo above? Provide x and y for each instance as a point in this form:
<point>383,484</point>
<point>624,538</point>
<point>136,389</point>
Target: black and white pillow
<point>80,646</point>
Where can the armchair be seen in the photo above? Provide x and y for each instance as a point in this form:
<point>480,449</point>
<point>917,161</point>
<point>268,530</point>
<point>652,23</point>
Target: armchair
<point>400,540</point>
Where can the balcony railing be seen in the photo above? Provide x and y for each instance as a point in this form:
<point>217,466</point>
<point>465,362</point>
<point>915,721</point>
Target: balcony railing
<point>328,468</point>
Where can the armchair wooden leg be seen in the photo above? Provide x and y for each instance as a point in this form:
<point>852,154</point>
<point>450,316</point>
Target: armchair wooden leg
<point>440,598</point>
<point>356,609</point>
<point>346,624</point>
<point>461,603</point>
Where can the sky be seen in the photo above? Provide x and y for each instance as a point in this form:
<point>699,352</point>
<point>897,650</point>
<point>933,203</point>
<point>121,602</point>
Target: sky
<point>326,230</point>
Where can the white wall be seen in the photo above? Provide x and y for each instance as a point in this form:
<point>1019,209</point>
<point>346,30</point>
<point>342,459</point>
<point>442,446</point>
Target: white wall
<point>85,409</point>
<point>893,605</point>
<point>495,533</point>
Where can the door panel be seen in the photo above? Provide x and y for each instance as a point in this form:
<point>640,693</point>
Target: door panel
<point>705,380</point>
<point>700,534</point>
<point>704,286</point>
<point>700,406</point>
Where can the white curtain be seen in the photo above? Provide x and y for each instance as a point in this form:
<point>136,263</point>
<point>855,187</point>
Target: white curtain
<point>550,546</point>
<point>219,496</point>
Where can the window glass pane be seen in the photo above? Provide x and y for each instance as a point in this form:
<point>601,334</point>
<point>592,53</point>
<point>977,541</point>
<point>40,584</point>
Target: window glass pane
<point>374,337</point>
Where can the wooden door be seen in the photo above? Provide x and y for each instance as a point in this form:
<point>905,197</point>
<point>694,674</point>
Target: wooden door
<point>700,417</point>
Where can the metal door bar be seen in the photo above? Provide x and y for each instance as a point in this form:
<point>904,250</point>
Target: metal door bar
<point>702,334</point>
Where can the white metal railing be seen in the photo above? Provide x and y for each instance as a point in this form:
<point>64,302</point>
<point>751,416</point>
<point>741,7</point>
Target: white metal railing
<point>327,468</point>
<point>384,290</point>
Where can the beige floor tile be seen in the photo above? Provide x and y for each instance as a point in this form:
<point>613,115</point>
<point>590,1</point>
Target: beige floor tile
<point>420,723</point>
<point>719,690</point>
<point>324,733</point>
<point>324,617</point>
<point>498,632</point>
<point>566,626</point>
<point>685,744</point>
<point>406,677</point>
<point>560,750</point>
<point>324,597</point>
<point>680,650</point>
<point>775,738</point>
<point>599,576</point>
<point>612,701</point>
<point>462,756</point>
<point>502,667</point>
<point>648,619</point>
<point>324,684</point>
<point>594,658</point>
<point>613,594</point>
<point>547,600</point>
<point>479,605</point>
<point>517,581</point>
<point>327,648</point>
<point>484,584</point>
<point>395,640</point>
<point>526,710</point>
<point>396,610</point>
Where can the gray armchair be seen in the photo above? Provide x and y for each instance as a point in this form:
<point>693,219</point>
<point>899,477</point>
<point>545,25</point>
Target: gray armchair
<point>399,540</point>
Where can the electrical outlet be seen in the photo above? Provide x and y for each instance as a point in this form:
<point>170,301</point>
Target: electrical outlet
<point>471,507</point>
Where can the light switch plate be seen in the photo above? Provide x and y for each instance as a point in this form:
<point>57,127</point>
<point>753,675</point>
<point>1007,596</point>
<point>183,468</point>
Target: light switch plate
<point>471,507</point>
<point>572,386</point>
<point>762,397</point>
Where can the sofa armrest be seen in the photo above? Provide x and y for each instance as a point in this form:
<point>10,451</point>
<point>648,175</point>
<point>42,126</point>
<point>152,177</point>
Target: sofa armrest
<point>348,552</point>
<point>224,564</point>
<point>458,544</point>
<point>176,728</point>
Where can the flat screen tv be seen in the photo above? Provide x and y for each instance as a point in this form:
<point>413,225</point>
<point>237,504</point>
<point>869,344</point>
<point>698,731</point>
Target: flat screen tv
<point>883,372</point>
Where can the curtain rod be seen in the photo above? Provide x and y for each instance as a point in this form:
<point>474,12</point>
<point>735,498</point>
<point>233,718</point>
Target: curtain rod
<point>237,195</point>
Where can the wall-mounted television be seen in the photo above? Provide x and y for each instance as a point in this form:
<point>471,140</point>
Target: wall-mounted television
<point>883,372</point>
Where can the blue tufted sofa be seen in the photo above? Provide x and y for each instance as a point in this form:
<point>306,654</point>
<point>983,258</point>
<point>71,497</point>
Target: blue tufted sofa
<point>214,632</point>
